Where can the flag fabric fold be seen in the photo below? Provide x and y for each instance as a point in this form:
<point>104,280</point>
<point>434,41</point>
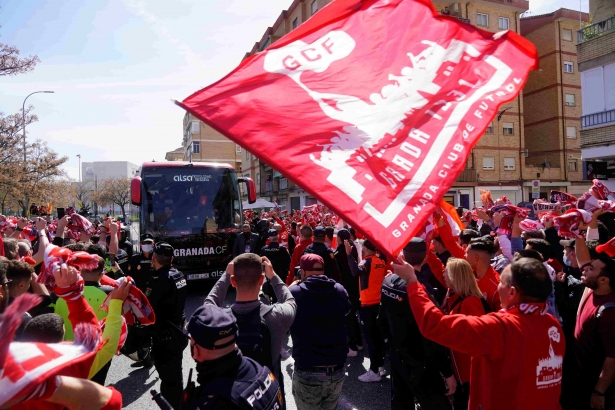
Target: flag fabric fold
<point>370,106</point>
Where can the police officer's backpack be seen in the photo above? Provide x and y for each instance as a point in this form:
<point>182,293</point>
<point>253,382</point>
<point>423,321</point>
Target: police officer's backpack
<point>253,335</point>
<point>261,393</point>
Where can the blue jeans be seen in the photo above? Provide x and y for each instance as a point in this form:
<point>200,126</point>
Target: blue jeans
<point>317,391</point>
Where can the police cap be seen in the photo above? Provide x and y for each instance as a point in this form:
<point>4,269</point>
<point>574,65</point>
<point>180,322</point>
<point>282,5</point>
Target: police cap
<point>320,232</point>
<point>147,238</point>
<point>211,323</point>
<point>163,249</point>
<point>273,232</point>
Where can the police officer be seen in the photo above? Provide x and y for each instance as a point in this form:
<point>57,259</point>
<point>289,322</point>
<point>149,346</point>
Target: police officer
<point>332,271</point>
<point>124,243</point>
<point>417,364</point>
<point>227,379</point>
<point>166,291</point>
<point>140,267</point>
<point>280,260</point>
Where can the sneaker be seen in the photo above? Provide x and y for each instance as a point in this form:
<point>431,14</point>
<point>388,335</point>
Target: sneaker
<point>352,353</point>
<point>370,377</point>
<point>382,371</point>
<point>360,348</point>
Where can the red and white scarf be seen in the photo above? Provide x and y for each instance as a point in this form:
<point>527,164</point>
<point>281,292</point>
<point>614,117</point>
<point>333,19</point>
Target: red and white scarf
<point>528,309</point>
<point>123,333</point>
<point>509,211</point>
<point>568,224</point>
<point>590,203</point>
<point>600,191</point>
<point>26,368</point>
<point>541,207</point>
<point>563,198</point>
<point>136,306</point>
<point>529,225</point>
<point>55,256</point>
<point>78,222</point>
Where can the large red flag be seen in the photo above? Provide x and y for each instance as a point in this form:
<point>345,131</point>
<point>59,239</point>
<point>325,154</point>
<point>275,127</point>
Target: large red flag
<point>370,106</point>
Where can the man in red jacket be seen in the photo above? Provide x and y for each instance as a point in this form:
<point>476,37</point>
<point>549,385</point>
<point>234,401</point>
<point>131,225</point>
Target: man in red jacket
<point>517,353</point>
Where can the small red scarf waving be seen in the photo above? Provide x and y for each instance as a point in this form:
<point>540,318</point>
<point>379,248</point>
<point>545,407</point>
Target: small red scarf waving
<point>136,306</point>
<point>509,211</point>
<point>568,225</point>
<point>78,222</point>
<point>563,197</point>
<point>600,191</point>
<point>25,368</point>
<point>55,256</point>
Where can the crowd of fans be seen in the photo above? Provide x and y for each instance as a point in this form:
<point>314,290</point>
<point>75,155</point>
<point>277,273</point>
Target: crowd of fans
<point>500,307</point>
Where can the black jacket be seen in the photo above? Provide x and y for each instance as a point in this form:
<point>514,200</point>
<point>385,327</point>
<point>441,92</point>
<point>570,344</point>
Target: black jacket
<point>279,257</point>
<point>319,330</point>
<point>331,269</point>
<point>166,292</point>
<point>351,284</point>
<point>407,343</point>
<point>239,246</point>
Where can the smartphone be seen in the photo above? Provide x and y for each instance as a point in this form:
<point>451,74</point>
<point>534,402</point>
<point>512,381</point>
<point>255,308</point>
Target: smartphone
<point>61,213</point>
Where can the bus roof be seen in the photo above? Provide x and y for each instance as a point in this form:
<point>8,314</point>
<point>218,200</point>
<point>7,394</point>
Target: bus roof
<point>178,164</point>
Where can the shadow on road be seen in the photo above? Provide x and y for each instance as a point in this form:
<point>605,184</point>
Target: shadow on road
<point>135,385</point>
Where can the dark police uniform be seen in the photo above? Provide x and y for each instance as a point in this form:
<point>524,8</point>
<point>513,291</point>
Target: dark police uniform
<point>166,291</point>
<point>280,260</point>
<point>332,271</point>
<point>416,363</point>
<point>232,381</point>
<point>140,267</point>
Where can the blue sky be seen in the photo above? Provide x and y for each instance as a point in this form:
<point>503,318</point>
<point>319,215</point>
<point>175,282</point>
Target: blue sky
<point>115,66</point>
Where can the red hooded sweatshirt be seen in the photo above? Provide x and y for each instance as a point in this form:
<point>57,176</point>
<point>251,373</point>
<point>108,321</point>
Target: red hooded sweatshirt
<point>517,354</point>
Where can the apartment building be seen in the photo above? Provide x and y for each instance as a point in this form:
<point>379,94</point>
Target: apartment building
<point>596,63</point>
<point>202,143</point>
<point>176,155</point>
<point>497,162</point>
<point>552,103</point>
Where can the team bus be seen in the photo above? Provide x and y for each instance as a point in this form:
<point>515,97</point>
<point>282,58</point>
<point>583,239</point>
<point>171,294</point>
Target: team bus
<point>195,207</point>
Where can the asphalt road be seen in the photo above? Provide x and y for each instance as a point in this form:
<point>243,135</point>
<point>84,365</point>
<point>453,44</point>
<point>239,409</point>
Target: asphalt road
<point>135,383</point>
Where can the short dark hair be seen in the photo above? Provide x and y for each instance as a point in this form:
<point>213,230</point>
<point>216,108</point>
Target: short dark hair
<point>10,248</point>
<point>99,268</point>
<point>413,254</point>
<point>528,253</point>
<point>531,279</point>
<point>467,235</point>
<point>79,246</point>
<point>45,328</point>
<point>247,269</point>
<point>542,246</point>
<point>329,232</point>
<point>18,271</point>
<point>96,249</point>
<point>353,232</point>
<point>608,271</point>
<point>293,225</point>
<point>163,260</point>
<point>482,245</point>
<point>306,231</point>
<point>539,234</point>
<point>438,239</point>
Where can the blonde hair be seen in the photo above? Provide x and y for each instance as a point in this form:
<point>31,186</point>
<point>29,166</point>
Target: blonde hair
<point>461,278</point>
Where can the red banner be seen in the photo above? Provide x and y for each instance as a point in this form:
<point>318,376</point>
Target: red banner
<point>370,106</point>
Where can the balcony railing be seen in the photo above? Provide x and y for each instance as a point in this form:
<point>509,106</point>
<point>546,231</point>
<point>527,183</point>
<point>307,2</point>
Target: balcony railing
<point>467,175</point>
<point>599,118</point>
<point>595,30</point>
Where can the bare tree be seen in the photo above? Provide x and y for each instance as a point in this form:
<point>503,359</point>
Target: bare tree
<point>115,191</point>
<point>12,64</point>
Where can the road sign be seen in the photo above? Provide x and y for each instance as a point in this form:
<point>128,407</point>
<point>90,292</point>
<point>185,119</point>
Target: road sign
<point>536,189</point>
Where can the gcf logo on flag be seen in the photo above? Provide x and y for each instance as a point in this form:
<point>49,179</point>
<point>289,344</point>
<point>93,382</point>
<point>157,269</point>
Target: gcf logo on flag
<point>370,106</point>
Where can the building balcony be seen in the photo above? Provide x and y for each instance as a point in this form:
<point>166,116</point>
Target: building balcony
<point>598,119</point>
<point>516,4</point>
<point>596,30</point>
<point>468,175</point>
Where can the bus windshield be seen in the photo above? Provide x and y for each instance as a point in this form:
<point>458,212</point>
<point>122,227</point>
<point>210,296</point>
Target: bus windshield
<point>189,200</point>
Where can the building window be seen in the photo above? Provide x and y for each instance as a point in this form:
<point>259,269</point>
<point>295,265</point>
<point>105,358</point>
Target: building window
<point>482,19</point>
<point>503,23</point>
<point>314,7</point>
<point>237,149</point>
<point>567,34</point>
<point>247,156</point>
<point>196,147</point>
<point>295,23</point>
<point>571,132</point>
<point>509,164</point>
<point>489,129</point>
<point>195,127</point>
<point>569,99</point>
<point>573,166</point>
<point>568,67</point>
<point>488,163</point>
<point>258,179</point>
<point>508,128</point>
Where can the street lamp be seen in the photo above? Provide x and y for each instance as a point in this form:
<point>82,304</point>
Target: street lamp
<point>79,155</point>
<point>23,113</point>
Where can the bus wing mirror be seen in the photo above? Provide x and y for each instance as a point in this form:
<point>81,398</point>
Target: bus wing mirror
<point>135,191</point>
<point>251,187</point>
